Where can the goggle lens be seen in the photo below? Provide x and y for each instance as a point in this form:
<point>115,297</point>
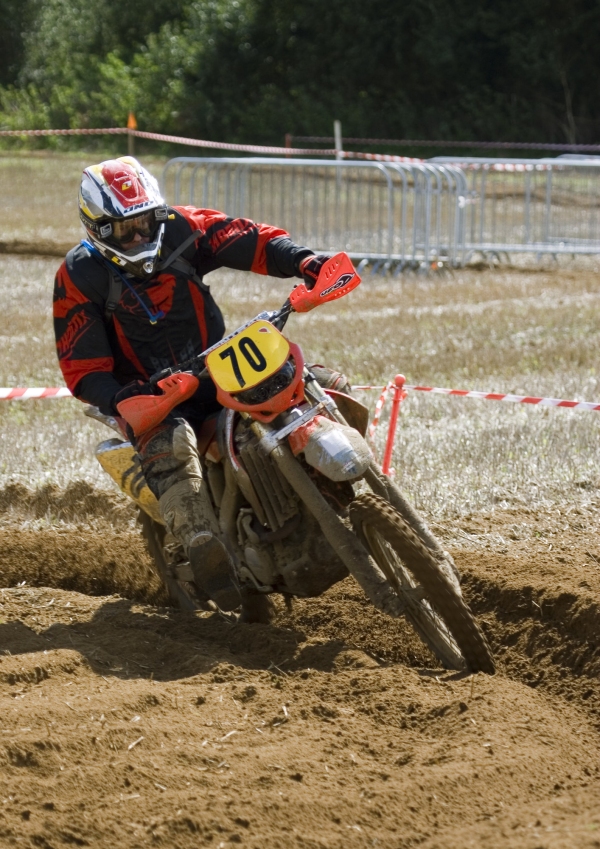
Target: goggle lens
<point>125,230</point>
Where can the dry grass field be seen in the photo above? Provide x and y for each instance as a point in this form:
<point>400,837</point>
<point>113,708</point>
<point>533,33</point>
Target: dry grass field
<point>329,729</point>
<point>501,331</point>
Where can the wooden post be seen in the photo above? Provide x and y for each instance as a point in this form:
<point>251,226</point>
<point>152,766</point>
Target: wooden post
<point>337,133</point>
<point>131,127</point>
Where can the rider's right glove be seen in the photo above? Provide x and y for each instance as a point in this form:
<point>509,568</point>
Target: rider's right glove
<point>311,267</point>
<point>130,390</point>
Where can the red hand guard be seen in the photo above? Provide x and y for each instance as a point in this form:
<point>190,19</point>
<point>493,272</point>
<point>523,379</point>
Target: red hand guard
<point>336,278</point>
<point>143,412</point>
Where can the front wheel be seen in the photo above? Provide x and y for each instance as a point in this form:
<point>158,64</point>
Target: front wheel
<point>431,604</point>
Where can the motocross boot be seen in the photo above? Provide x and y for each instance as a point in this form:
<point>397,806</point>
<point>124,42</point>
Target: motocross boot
<point>189,516</point>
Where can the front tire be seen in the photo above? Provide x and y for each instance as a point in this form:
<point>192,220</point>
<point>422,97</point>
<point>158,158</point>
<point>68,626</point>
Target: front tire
<point>431,603</point>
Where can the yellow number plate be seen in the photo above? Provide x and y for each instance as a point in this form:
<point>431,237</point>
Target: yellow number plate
<point>248,357</point>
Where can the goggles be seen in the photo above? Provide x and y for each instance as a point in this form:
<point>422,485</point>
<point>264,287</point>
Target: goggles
<point>124,230</point>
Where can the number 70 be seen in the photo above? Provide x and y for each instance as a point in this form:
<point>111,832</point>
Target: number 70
<point>251,353</point>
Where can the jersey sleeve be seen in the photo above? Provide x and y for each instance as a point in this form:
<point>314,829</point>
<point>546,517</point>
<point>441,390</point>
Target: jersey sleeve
<point>81,341</point>
<point>243,244</point>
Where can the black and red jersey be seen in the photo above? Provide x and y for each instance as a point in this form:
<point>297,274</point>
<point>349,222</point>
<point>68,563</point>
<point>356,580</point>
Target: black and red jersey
<point>99,354</point>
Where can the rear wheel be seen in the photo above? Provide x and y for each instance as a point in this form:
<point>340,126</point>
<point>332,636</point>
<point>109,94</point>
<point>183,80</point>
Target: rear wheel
<point>431,603</point>
<point>182,593</point>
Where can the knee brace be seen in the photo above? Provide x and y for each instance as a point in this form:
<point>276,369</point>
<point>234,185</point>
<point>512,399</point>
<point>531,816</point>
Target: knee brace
<point>169,454</point>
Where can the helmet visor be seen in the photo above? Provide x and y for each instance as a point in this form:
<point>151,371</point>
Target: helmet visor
<point>124,230</point>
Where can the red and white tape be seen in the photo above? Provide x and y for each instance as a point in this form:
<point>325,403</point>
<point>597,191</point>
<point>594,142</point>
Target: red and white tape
<point>213,145</point>
<point>288,151</point>
<point>247,148</point>
<point>30,394</point>
<point>500,145</point>
<point>24,394</point>
<point>399,388</point>
<point>378,406</point>
<point>472,393</point>
<point>516,399</point>
<point>379,157</point>
<point>111,131</point>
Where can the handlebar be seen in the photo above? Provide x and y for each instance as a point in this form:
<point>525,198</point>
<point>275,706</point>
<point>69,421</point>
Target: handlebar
<point>195,365</point>
<point>336,278</point>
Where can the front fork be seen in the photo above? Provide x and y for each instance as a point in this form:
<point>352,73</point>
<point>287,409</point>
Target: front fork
<point>384,486</point>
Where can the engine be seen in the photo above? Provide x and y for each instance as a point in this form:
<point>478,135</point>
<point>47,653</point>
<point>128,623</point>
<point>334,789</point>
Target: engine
<point>287,552</point>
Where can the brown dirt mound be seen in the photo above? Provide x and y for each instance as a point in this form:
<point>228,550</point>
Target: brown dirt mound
<point>129,725</point>
<point>544,638</point>
<point>134,726</point>
<point>77,503</point>
<point>95,562</point>
<point>37,248</point>
<point>91,544</point>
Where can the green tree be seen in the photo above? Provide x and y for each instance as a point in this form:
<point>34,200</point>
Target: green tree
<point>250,70</point>
<point>78,61</point>
<point>424,68</point>
<point>17,17</point>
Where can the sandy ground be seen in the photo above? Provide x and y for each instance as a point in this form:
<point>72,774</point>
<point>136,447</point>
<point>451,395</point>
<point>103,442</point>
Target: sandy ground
<point>126,723</point>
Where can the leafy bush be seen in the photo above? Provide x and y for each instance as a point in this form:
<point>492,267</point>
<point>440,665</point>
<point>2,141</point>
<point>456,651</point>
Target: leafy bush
<point>250,70</point>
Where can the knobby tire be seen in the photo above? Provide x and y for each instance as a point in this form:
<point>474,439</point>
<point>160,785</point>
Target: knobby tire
<point>154,536</point>
<point>433,606</point>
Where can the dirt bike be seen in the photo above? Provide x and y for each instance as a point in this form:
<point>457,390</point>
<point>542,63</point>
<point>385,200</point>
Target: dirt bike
<point>300,500</point>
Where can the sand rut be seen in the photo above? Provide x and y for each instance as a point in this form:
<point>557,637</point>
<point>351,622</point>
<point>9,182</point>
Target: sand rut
<point>129,724</point>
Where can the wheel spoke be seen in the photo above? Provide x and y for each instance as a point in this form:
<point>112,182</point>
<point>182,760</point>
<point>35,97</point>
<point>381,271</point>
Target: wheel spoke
<point>430,601</point>
<point>416,607</point>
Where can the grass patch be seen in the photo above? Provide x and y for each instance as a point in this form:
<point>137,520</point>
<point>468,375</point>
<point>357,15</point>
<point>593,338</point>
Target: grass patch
<point>38,193</point>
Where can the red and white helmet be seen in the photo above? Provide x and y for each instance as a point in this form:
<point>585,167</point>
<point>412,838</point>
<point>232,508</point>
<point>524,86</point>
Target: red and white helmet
<point>117,200</point>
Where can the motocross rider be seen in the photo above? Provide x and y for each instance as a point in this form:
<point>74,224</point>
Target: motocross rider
<point>131,300</point>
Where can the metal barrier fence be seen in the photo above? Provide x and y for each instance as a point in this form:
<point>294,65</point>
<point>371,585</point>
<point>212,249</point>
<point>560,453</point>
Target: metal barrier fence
<point>406,215</point>
<point>392,214</point>
<point>539,206</point>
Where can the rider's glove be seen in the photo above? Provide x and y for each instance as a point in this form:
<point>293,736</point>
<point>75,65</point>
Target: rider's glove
<point>310,268</point>
<point>130,390</point>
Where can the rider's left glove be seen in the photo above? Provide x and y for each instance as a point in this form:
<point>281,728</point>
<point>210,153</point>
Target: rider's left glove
<point>310,268</point>
<point>130,390</point>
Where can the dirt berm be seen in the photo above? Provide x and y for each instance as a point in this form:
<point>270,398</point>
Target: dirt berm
<point>124,723</point>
